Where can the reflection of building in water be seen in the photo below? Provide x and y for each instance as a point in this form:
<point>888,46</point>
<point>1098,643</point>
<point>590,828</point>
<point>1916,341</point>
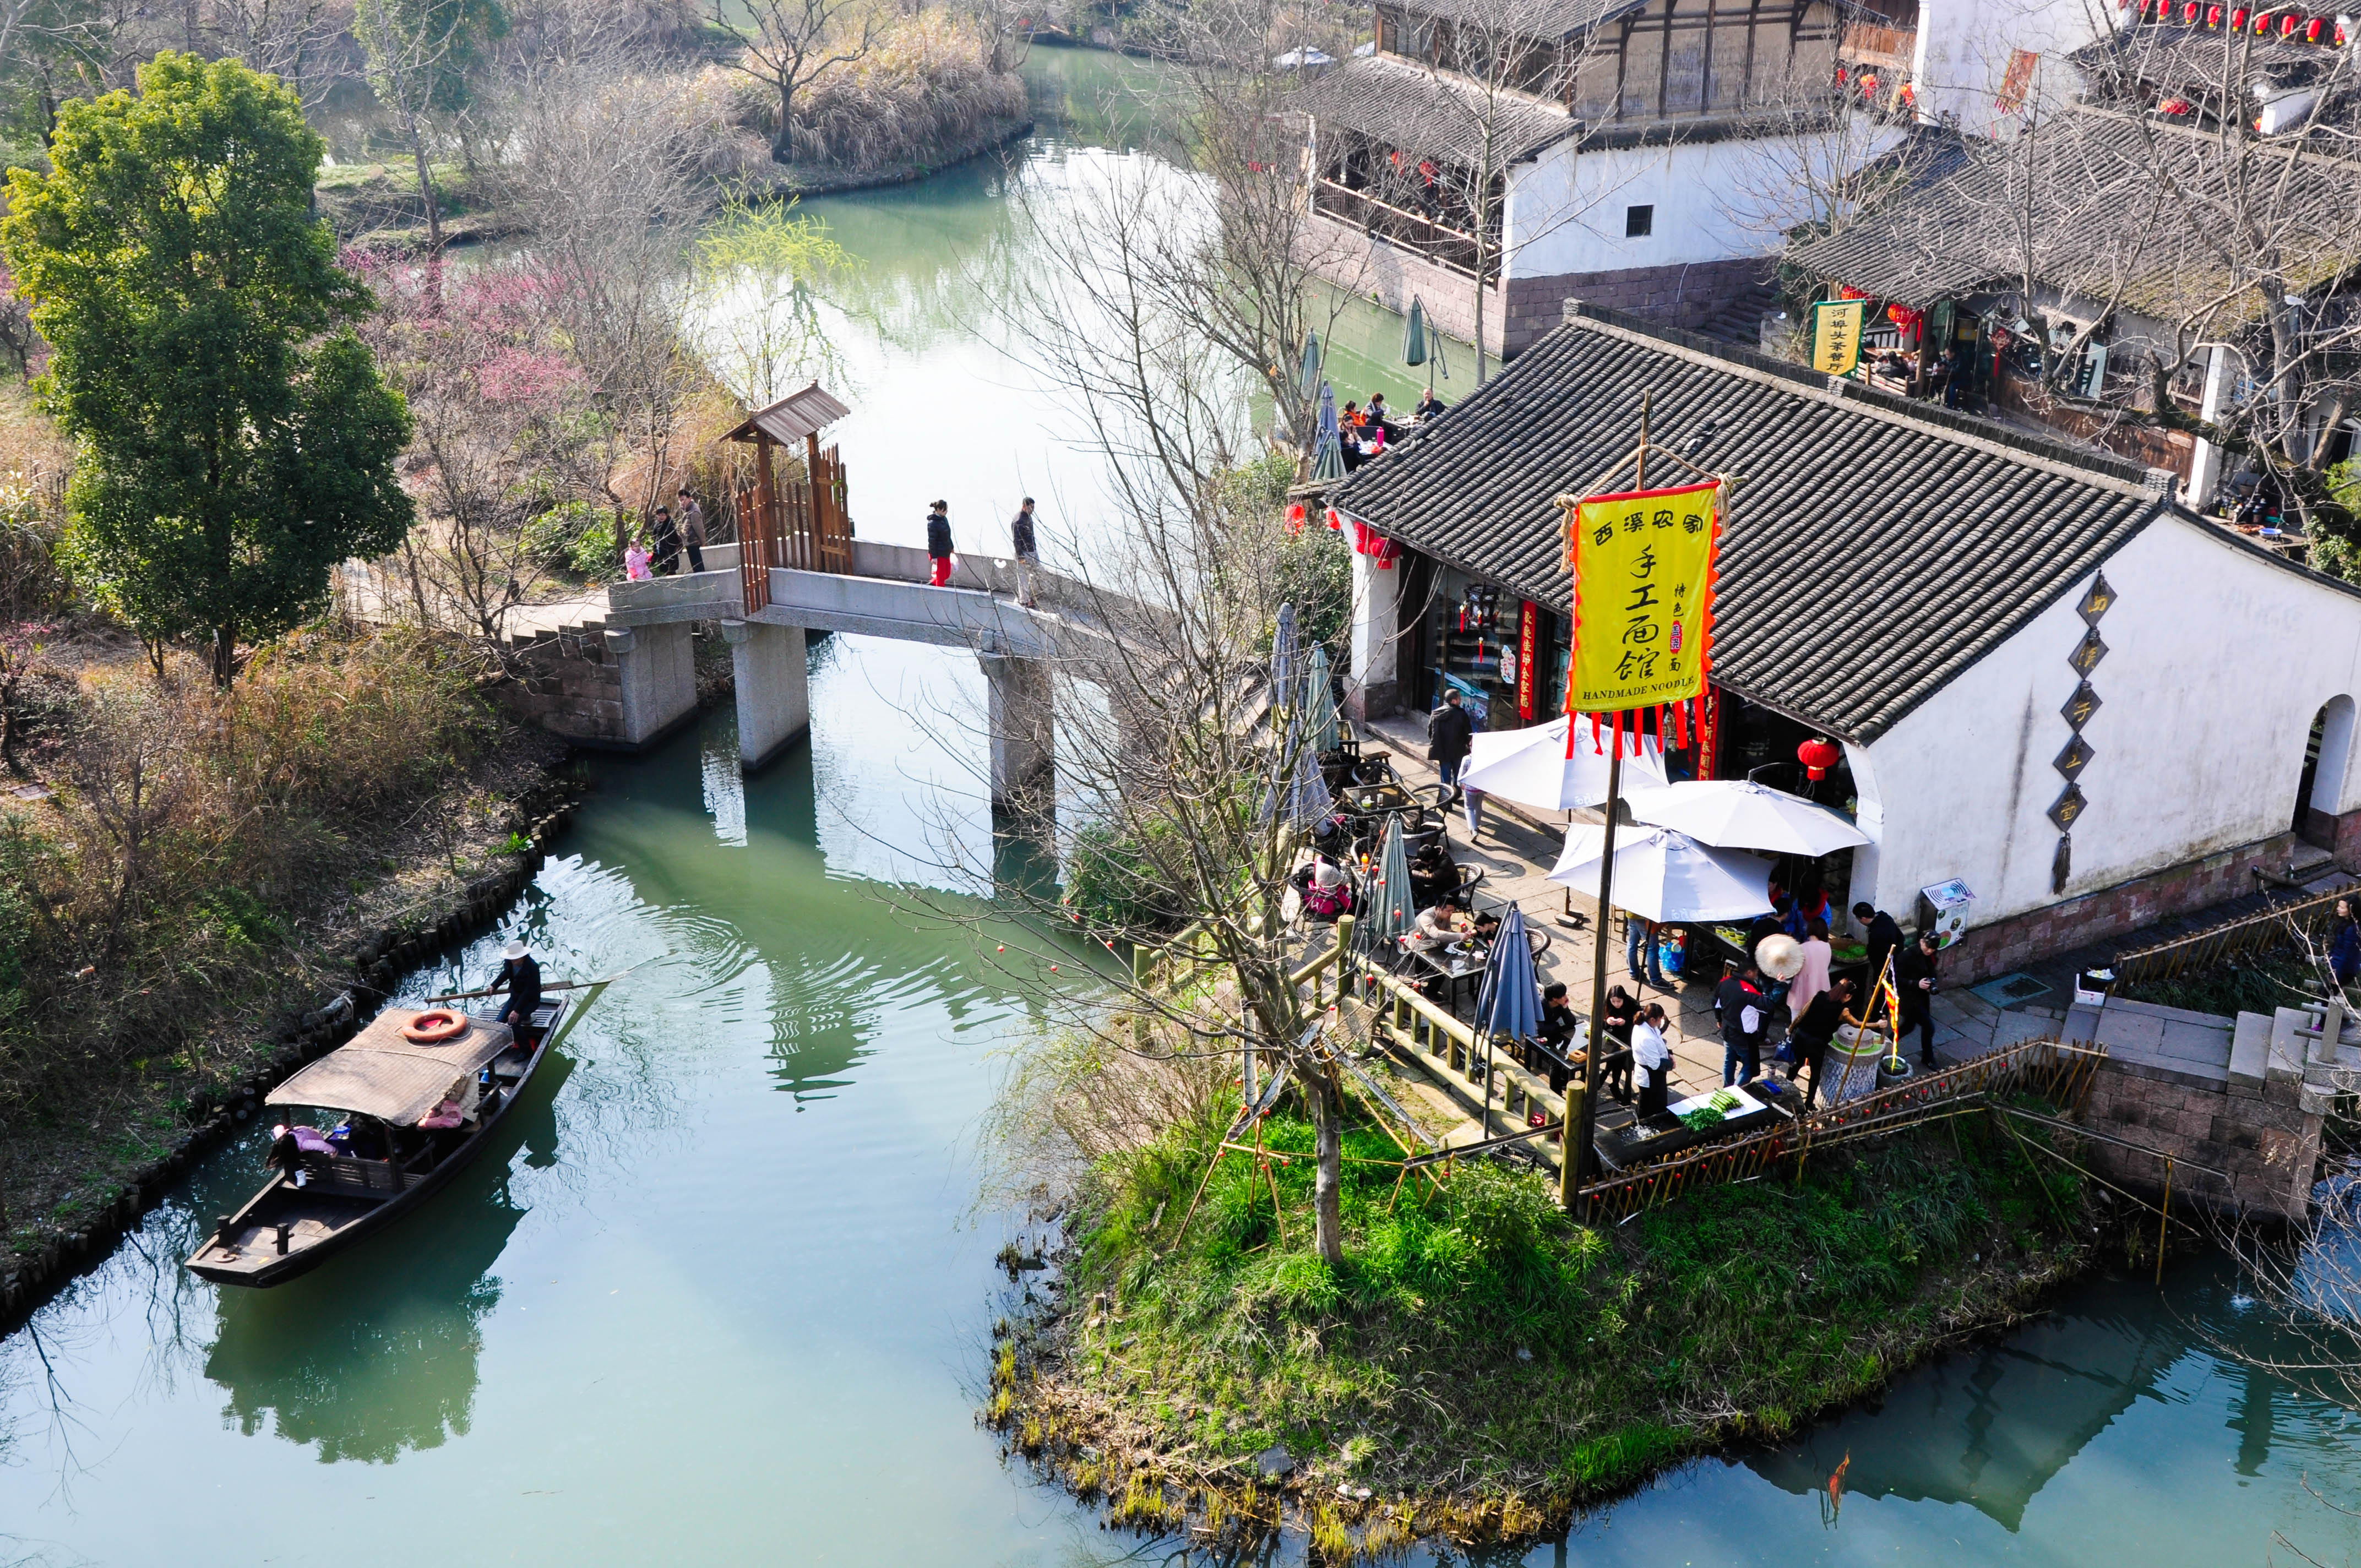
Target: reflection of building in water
<point>376,1352</point>
<point>1990,1428</point>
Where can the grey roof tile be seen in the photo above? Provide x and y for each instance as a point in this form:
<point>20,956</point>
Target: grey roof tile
<point>1429,114</point>
<point>1874,548</point>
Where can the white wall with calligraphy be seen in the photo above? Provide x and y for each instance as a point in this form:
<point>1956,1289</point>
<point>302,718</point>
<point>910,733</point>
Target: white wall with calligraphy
<point>2218,660</point>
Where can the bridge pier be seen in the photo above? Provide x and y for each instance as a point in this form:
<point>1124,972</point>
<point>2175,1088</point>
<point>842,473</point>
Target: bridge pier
<point>657,670</point>
<point>774,691</point>
<point>1018,713</point>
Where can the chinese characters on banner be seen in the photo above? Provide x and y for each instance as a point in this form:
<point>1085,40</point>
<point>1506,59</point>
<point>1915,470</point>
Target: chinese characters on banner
<point>1642,604</point>
<point>1835,335</point>
<point>1529,639</point>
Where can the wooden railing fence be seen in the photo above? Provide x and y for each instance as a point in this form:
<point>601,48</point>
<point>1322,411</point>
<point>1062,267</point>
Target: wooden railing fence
<point>801,525</point>
<point>2266,930</point>
<point>2054,1070</point>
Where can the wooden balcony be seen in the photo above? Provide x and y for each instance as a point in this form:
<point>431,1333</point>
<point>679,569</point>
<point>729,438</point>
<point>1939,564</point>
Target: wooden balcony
<point>1414,232</point>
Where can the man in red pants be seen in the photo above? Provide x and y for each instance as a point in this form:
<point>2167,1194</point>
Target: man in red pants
<point>939,544</point>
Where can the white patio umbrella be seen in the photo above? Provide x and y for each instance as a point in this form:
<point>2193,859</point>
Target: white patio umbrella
<point>1663,875</point>
<point>1737,814</point>
<point>1531,767</point>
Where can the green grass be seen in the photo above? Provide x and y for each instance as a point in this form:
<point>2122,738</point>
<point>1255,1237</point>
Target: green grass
<point>1476,1344</point>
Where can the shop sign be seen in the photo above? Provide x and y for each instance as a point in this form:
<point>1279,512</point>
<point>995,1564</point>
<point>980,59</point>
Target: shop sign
<point>1835,335</point>
<point>1528,648</point>
<point>1643,586</point>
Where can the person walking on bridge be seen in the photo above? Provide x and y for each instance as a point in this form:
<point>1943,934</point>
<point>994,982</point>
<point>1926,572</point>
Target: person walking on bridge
<point>1028,552</point>
<point>692,530</point>
<point>939,544</point>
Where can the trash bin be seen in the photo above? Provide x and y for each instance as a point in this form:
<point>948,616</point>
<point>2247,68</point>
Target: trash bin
<point>2091,987</point>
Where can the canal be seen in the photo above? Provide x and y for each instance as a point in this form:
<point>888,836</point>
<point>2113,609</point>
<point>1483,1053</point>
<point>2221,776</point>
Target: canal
<point>725,1295</point>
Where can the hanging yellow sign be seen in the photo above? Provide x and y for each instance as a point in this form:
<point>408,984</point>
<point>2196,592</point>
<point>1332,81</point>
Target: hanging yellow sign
<point>1835,335</point>
<point>1642,598</point>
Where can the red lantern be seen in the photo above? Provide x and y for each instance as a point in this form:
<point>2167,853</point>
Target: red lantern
<point>1819,755</point>
<point>2262,27</point>
<point>2239,19</point>
<point>2288,25</point>
<point>2311,30</point>
<point>2174,106</point>
<point>2213,15</point>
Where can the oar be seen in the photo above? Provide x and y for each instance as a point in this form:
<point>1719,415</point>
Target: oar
<point>503,990</point>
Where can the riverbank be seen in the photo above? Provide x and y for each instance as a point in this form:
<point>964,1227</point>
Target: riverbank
<point>1480,1368</point>
<point>355,803</point>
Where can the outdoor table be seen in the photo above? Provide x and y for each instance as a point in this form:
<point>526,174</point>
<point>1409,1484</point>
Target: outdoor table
<point>1366,800</point>
<point>1666,1133</point>
<point>1458,964</point>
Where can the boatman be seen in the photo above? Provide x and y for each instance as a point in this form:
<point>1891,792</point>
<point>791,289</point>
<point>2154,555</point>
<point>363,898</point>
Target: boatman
<point>522,975</point>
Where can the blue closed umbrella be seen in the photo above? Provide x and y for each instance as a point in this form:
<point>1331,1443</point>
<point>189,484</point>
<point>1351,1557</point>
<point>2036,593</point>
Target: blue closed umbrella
<point>1283,660</point>
<point>1320,702</point>
<point>1388,896</point>
<point>1509,1002</point>
<point>1328,444</point>
<point>1311,360</point>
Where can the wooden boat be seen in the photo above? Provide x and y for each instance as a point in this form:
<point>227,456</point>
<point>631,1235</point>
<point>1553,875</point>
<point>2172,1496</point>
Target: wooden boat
<point>290,1227</point>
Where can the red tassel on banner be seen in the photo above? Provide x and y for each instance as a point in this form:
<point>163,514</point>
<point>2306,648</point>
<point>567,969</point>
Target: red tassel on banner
<point>1681,723</point>
<point>1597,747</point>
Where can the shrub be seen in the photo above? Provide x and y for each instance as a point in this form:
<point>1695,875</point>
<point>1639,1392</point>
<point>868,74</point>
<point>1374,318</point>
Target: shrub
<point>1110,882</point>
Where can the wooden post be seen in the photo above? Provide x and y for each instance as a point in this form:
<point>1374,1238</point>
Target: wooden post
<point>1569,1174</point>
<point>2163,1219</point>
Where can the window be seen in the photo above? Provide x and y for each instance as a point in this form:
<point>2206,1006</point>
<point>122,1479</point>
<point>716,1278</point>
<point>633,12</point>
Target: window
<point>1639,222</point>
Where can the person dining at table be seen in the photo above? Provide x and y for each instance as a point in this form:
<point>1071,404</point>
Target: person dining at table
<point>1617,1022</point>
<point>1434,875</point>
<point>1437,927</point>
<point>1561,1027</point>
<point>1652,1061</point>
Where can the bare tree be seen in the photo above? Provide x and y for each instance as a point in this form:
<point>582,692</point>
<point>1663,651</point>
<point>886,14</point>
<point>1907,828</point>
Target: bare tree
<point>285,38</point>
<point>790,44</point>
<point>420,55</point>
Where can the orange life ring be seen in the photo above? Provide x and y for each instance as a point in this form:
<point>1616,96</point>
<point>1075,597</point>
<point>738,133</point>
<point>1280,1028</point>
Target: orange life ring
<point>434,1028</point>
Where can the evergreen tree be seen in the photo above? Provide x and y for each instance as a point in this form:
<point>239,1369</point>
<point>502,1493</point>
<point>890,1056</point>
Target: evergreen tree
<point>237,442</point>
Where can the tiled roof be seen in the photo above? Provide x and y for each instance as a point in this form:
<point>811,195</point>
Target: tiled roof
<point>1874,548</point>
<point>2105,226</point>
<point>1529,18</point>
<point>1431,115</point>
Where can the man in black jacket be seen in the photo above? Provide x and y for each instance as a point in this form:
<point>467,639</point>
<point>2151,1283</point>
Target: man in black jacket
<point>939,543</point>
<point>1916,980</point>
<point>1744,1012</point>
<point>1885,937</point>
<point>522,974</point>
<point>1449,734</point>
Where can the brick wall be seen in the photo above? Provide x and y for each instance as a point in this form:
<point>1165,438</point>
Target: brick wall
<point>2262,1139</point>
<point>570,685</point>
<point>1517,316</point>
<point>1680,297</point>
<point>2005,945</point>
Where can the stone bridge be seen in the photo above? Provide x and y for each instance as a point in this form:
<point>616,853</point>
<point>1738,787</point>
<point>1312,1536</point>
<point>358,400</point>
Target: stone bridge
<point>625,679</point>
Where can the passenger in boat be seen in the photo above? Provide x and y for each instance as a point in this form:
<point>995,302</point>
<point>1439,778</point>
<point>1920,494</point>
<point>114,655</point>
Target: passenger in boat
<point>298,1151</point>
<point>522,975</point>
<point>361,1137</point>
<point>457,1108</point>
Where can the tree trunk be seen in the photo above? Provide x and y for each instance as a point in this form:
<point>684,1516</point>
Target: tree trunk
<point>1479,294</point>
<point>1327,1102</point>
<point>433,208</point>
<point>783,147</point>
<point>225,656</point>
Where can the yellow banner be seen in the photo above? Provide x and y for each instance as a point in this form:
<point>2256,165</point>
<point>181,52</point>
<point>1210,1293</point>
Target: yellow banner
<point>1644,568</point>
<point>1835,335</point>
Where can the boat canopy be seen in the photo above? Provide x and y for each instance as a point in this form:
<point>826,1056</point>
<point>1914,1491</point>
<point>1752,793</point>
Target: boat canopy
<point>377,1073</point>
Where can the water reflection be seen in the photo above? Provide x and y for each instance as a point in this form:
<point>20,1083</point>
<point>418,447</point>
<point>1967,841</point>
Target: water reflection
<point>1990,1428</point>
<point>376,1352</point>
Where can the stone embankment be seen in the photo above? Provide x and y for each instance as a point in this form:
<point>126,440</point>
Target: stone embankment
<point>379,960</point>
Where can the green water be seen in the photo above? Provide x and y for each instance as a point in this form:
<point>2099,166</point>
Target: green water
<point>723,1295</point>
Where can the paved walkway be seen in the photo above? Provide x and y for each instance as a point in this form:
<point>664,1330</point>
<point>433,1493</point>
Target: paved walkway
<point>1518,845</point>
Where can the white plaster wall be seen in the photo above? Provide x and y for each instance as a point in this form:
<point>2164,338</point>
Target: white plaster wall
<point>2217,661</point>
<point>1713,201</point>
<point>1963,49</point>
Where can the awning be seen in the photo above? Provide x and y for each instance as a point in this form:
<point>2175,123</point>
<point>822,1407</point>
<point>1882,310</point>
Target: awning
<point>380,1074</point>
<point>793,417</point>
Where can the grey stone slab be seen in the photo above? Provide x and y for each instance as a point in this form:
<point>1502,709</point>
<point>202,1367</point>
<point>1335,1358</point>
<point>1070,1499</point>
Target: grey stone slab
<point>2010,1028</point>
<point>2119,1030</point>
<point>2250,1046</point>
<point>2196,1042</point>
<point>2081,1023</point>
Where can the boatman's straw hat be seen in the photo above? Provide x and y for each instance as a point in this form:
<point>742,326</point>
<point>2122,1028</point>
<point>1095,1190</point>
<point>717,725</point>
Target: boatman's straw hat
<point>513,951</point>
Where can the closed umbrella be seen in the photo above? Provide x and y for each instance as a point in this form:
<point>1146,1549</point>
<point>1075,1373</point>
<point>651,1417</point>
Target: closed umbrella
<point>1301,797</point>
<point>1328,444</point>
<point>1531,767</point>
<point>1509,1002</point>
<point>1284,672</point>
<point>1739,814</point>
<point>1319,703</point>
<point>1311,370</point>
<point>1663,875</point>
<point>1421,342</point>
<point>1388,893</point>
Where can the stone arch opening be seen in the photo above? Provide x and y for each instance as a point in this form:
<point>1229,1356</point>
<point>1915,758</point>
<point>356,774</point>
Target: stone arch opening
<point>2327,759</point>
